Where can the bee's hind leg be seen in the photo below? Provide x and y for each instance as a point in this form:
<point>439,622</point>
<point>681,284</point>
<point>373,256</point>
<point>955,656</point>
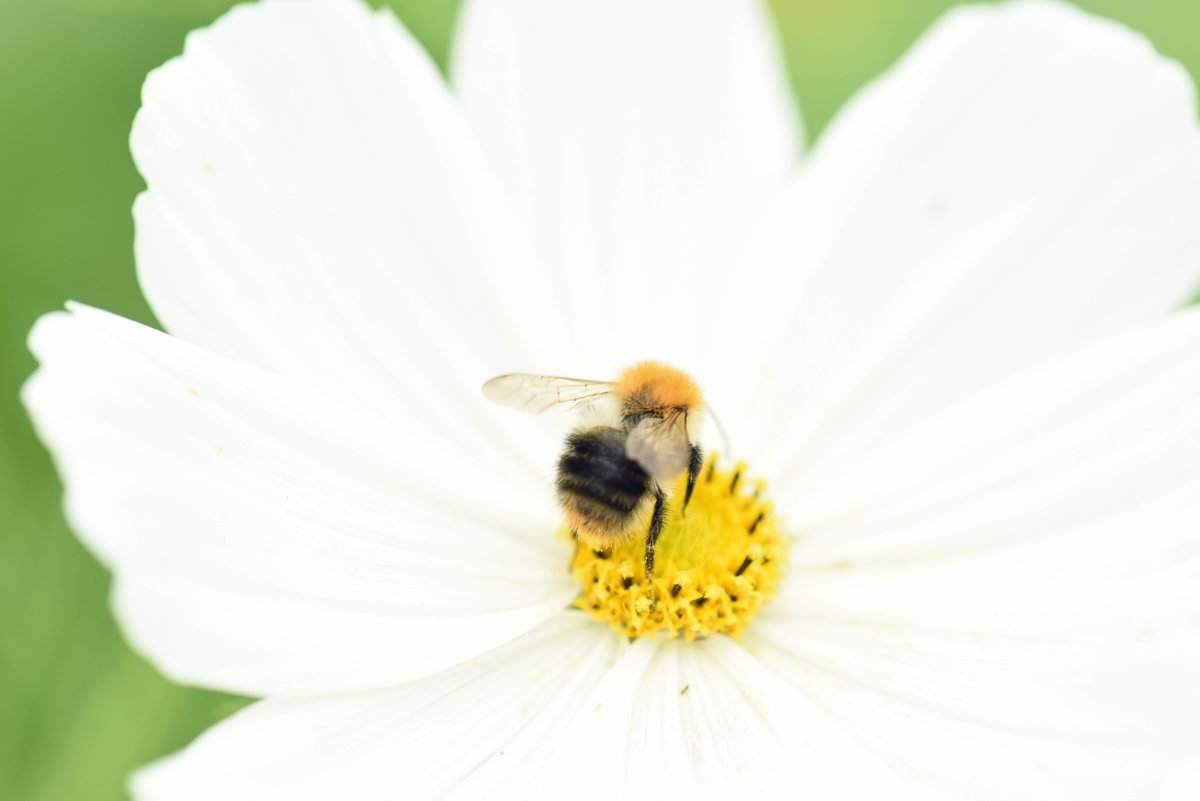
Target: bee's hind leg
<point>656,525</point>
<point>694,464</point>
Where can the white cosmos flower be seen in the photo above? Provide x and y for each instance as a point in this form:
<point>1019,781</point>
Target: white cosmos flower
<point>949,341</point>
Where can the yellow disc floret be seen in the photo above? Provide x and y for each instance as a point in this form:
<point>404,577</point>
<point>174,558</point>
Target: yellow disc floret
<point>717,563</point>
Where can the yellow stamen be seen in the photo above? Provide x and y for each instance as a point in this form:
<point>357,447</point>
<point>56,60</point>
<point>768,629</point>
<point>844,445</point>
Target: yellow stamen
<point>715,567</point>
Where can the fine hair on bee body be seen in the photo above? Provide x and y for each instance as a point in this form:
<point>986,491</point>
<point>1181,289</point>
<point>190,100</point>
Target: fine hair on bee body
<point>635,439</point>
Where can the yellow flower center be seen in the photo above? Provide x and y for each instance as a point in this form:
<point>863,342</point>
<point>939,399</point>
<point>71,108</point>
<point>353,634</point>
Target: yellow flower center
<point>716,564</point>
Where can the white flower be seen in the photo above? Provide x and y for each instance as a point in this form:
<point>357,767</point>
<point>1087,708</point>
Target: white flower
<point>953,353</point>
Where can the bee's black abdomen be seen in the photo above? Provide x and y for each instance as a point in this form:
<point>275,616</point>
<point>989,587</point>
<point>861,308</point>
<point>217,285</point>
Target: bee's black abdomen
<point>598,481</point>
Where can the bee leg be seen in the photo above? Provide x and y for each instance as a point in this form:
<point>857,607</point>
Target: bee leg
<point>694,464</point>
<point>656,524</point>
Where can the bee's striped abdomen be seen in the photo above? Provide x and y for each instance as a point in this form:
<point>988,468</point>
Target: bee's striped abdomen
<point>599,487</point>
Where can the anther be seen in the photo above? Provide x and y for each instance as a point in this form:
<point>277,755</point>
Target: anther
<point>715,568</point>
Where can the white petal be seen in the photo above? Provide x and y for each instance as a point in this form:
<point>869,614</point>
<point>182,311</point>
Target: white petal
<point>1011,590</point>
<point>1092,460</point>
<point>642,141</point>
<point>975,685</point>
<point>317,207</point>
<point>481,729</point>
<point>1025,180</point>
<point>703,720</point>
<point>267,537</point>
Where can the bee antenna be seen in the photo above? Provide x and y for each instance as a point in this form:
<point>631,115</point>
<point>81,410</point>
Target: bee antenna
<point>721,430</point>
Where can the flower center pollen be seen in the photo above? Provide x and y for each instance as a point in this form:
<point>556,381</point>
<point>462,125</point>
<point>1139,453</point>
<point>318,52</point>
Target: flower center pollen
<point>716,564</point>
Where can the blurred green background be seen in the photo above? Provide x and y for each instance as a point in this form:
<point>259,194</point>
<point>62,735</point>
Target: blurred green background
<point>79,710</point>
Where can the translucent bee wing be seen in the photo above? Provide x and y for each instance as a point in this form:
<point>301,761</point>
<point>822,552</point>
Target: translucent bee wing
<point>538,393</point>
<point>661,446</point>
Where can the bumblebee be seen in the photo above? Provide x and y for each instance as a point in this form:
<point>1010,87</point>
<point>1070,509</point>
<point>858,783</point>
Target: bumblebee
<point>613,467</point>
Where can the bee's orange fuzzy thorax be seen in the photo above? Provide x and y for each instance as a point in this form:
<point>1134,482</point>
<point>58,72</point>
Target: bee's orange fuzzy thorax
<point>656,385</point>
